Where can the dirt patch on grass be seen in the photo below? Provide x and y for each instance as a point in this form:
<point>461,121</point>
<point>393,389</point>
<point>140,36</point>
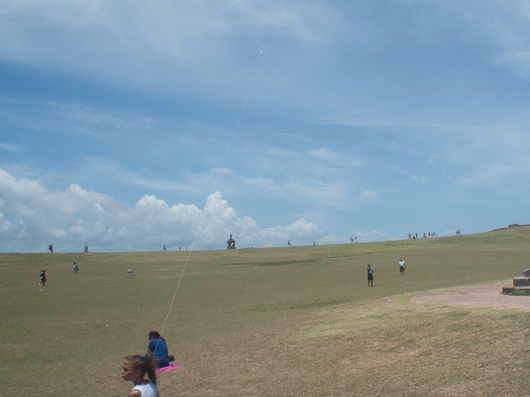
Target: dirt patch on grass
<point>488,295</point>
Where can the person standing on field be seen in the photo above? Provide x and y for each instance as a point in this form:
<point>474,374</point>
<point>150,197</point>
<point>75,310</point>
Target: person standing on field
<point>402,267</point>
<point>370,271</point>
<point>43,277</point>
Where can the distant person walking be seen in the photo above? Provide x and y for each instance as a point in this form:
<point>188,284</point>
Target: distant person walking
<point>76,267</point>
<point>370,270</point>
<point>402,267</point>
<point>50,248</point>
<point>134,369</point>
<point>43,277</point>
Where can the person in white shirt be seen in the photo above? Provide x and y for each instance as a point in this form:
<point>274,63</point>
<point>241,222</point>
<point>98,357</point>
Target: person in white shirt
<point>402,267</point>
<point>134,369</point>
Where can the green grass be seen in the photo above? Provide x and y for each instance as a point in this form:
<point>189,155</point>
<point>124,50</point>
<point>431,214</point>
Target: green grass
<point>518,293</point>
<point>291,321</point>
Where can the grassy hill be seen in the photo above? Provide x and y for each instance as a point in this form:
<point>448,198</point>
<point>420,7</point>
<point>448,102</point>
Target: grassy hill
<point>290,321</point>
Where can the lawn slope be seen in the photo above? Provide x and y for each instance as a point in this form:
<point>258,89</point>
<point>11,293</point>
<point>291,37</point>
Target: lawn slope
<point>290,321</point>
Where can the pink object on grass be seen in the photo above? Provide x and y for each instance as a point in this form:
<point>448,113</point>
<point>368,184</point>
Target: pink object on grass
<point>170,367</point>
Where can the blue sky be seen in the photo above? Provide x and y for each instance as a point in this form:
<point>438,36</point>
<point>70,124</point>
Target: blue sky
<point>129,125</point>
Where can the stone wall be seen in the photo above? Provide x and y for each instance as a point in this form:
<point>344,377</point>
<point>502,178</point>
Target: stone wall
<point>521,283</point>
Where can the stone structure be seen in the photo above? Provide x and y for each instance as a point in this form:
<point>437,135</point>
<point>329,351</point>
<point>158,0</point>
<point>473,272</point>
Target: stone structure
<point>231,243</point>
<point>521,283</point>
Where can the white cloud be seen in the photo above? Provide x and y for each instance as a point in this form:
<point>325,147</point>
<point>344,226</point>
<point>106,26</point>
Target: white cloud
<point>370,195</point>
<point>10,147</point>
<point>120,41</point>
<point>340,159</point>
<point>261,182</point>
<point>370,236</point>
<point>32,216</point>
<point>493,159</point>
<point>299,228</point>
<point>491,175</point>
<point>323,153</point>
<point>322,192</point>
<point>420,106</point>
<point>299,232</point>
<point>89,115</point>
<point>499,26</point>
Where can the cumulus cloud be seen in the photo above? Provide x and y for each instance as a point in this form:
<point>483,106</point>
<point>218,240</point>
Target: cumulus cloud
<point>105,39</point>
<point>33,216</point>
<point>300,232</point>
<point>372,235</point>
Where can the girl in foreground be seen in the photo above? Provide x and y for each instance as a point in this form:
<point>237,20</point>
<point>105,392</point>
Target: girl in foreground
<point>134,370</point>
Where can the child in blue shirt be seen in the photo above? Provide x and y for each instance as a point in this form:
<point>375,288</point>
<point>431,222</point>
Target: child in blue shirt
<point>158,347</point>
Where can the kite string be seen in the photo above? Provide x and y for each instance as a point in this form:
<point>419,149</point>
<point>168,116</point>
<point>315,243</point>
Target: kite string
<point>219,170</point>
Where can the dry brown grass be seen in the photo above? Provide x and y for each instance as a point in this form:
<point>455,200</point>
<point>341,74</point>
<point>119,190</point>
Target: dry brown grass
<point>294,321</point>
<point>383,348</point>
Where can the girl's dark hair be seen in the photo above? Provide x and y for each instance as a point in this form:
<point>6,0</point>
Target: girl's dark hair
<point>146,365</point>
<point>156,335</point>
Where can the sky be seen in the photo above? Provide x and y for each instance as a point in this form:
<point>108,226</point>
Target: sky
<point>127,125</point>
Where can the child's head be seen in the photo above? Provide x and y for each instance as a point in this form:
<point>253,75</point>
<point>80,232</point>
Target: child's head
<point>136,367</point>
<point>155,335</point>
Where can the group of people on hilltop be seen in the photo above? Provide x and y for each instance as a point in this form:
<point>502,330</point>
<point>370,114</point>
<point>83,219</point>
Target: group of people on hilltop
<point>141,370</point>
<point>371,270</point>
<point>50,249</point>
<point>413,236</point>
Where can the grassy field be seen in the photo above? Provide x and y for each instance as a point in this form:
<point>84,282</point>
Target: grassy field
<point>292,321</point>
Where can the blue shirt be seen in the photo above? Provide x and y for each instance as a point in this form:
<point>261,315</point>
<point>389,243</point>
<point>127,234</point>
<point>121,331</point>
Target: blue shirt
<point>158,347</point>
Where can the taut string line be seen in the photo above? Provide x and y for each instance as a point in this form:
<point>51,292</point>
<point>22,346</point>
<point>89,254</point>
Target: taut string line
<point>234,132</point>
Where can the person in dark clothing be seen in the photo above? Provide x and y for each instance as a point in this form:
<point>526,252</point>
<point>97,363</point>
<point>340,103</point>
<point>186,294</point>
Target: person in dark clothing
<point>43,277</point>
<point>370,270</point>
